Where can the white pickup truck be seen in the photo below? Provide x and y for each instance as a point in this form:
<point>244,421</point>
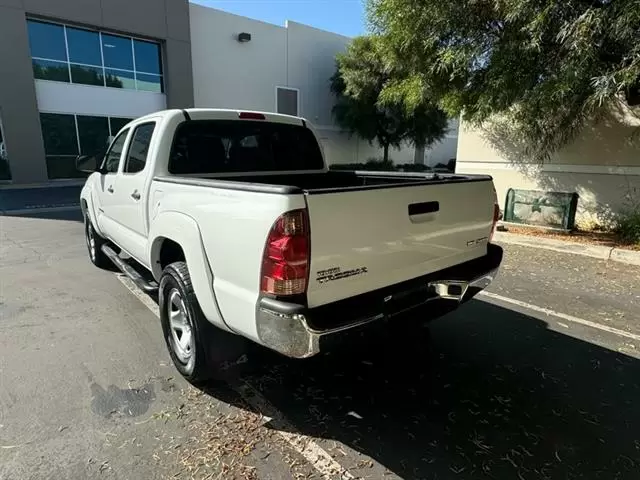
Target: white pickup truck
<point>235,221</point>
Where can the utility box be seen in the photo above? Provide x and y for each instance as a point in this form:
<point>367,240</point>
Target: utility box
<point>541,209</point>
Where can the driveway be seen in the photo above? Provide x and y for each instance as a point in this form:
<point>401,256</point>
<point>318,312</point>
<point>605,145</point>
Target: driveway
<point>540,379</point>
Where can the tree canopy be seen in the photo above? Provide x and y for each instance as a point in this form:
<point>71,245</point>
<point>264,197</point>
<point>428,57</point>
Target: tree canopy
<point>548,66</point>
<point>360,77</point>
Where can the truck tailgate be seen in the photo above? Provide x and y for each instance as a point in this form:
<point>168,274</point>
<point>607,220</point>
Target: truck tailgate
<point>364,240</point>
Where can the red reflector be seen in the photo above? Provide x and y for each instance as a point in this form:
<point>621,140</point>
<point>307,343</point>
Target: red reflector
<point>251,116</point>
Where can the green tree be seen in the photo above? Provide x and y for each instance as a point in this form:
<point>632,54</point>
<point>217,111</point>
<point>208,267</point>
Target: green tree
<point>547,66</point>
<point>361,75</point>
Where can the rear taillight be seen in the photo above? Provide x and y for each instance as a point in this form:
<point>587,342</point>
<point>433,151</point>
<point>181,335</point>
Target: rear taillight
<point>496,214</point>
<point>285,263</point>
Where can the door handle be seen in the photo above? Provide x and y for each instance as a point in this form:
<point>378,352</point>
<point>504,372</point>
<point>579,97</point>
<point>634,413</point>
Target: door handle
<point>110,189</point>
<point>135,195</point>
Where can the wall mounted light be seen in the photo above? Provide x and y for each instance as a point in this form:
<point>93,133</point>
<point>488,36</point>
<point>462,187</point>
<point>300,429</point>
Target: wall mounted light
<point>244,37</point>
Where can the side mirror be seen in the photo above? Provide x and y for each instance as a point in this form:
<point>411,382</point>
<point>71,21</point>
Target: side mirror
<point>88,163</point>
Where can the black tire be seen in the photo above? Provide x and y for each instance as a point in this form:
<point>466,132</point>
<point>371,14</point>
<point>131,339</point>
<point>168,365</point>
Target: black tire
<point>94,246</point>
<point>194,362</point>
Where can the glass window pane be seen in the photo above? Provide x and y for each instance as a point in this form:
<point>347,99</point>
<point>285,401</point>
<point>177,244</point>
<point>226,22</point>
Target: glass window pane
<point>120,79</point>
<point>87,75</point>
<point>59,134</point>
<point>147,57</point>
<point>112,160</point>
<point>149,83</point>
<point>199,147</point>
<point>139,148</point>
<point>47,40</point>
<point>94,134</point>
<point>63,166</point>
<point>117,52</point>
<point>5,171</point>
<point>48,70</point>
<point>117,124</point>
<point>84,46</point>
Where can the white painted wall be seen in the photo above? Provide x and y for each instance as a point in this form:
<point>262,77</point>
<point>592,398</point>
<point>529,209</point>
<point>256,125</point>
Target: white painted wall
<point>601,165</point>
<point>229,74</point>
<point>311,61</point>
<point>58,97</point>
<point>446,149</point>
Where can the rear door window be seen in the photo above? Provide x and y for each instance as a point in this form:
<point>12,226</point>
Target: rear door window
<point>139,148</point>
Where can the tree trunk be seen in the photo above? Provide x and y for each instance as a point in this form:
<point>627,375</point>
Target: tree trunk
<point>418,155</point>
<point>385,156</point>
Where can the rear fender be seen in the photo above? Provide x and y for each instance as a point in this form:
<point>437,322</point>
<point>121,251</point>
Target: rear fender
<point>184,230</point>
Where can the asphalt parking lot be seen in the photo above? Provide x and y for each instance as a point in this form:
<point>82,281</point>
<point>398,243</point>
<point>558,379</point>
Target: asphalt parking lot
<point>539,380</point>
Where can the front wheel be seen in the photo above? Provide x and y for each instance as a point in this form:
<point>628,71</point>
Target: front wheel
<point>94,246</point>
<point>186,330</point>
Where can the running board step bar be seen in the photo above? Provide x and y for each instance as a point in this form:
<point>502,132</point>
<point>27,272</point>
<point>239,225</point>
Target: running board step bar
<point>129,271</point>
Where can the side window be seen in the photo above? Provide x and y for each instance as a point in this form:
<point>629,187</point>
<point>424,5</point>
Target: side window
<point>112,159</point>
<point>139,148</point>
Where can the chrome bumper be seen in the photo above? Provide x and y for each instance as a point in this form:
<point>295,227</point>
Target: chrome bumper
<point>287,330</point>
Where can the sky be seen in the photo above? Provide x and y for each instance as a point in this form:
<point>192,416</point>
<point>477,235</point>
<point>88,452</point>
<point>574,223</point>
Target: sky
<point>345,17</point>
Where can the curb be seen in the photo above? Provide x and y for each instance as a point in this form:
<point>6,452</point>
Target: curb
<point>43,185</point>
<point>34,210</point>
<point>620,255</point>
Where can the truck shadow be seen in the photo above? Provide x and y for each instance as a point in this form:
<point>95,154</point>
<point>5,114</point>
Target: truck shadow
<point>496,395</point>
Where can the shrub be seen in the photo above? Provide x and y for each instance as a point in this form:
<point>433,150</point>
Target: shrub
<point>414,167</point>
<point>380,164</point>
<point>628,226</point>
<point>373,164</point>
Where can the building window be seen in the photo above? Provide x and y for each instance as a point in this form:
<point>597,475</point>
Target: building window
<point>287,101</point>
<point>76,55</point>
<point>66,136</point>
<point>5,171</point>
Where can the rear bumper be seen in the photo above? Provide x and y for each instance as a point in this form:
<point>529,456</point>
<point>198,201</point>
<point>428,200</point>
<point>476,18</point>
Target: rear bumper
<point>296,331</point>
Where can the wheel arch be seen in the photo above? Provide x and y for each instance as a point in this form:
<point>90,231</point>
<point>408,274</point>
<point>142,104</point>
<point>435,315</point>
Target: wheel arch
<point>174,237</point>
<point>86,207</point>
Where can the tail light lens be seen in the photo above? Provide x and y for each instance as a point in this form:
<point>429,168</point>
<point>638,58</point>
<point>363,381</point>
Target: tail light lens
<point>251,116</point>
<point>285,263</point>
<point>496,214</point>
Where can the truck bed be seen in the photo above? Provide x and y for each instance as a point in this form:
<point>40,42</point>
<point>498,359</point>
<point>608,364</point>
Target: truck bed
<point>322,182</point>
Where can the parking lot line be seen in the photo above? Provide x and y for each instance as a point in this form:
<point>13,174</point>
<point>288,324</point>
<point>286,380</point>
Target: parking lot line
<point>317,456</point>
<point>564,316</point>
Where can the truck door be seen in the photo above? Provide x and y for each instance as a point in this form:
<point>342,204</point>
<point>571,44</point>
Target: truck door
<point>107,183</point>
<point>129,207</point>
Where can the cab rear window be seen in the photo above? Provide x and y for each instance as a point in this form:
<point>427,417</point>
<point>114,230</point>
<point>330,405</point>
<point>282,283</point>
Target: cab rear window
<point>228,146</point>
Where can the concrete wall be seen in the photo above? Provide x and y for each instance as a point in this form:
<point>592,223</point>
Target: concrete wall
<point>602,165</point>
<point>163,20</point>
<point>18,107</point>
<point>311,61</point>
<point>229,74</point>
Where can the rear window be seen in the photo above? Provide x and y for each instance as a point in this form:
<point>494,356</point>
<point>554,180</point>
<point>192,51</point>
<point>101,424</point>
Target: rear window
<point>227,146</point>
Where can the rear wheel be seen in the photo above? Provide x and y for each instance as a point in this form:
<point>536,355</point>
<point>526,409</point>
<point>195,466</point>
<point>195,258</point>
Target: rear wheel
<point>94,246</point>
<point>186,331</point>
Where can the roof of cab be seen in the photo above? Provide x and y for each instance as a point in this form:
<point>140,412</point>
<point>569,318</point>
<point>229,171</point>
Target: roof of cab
<point>225,114</point>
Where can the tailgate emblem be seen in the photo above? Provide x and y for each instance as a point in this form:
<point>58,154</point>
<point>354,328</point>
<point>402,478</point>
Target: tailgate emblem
<point>336,273</point>
<point>477,241</point>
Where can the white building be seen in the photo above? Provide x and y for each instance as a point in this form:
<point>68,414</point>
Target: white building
<point>284,69</point>
<point>602,165</point>
<point>74,71</point>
